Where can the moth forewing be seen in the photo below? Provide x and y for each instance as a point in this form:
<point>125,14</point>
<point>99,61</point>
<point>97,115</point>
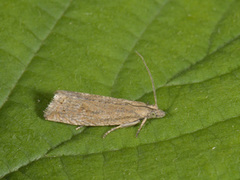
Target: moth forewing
<point>93,110</point>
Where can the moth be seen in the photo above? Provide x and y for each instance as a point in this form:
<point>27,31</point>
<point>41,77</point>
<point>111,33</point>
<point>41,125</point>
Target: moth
<point>85,109</point>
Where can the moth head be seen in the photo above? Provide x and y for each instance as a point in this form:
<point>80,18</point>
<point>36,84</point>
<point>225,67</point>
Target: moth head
<point>156,113</point>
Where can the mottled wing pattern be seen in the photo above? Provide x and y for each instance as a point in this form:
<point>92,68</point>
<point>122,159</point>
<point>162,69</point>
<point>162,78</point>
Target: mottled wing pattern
<point>93,110</point>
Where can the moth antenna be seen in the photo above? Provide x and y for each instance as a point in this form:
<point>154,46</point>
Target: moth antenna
<point>150,75</point>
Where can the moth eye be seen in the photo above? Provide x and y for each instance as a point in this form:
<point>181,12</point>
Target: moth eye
<point>153,114</point>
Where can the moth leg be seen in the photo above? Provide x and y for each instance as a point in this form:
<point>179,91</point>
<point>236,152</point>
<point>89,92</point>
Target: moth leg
<point>139,129</point>
<point>121,126</point>
<point>77,128</point>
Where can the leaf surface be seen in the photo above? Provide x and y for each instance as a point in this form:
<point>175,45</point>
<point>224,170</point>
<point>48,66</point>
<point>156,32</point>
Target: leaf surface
<point>192,50</point>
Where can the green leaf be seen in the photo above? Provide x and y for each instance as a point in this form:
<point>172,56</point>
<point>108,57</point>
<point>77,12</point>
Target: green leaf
<point>192,50</point>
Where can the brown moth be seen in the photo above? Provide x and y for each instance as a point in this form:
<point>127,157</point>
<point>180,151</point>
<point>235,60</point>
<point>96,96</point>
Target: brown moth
<point>85,109</point>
